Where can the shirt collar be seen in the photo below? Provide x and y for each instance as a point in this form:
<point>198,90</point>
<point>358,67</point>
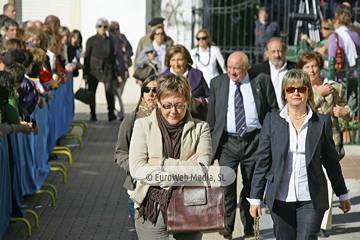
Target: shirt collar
<point>184,74</point>
<point>284,113</point>
<point>282,68</point>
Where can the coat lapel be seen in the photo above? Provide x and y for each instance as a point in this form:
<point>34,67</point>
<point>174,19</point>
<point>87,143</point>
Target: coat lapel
<point>313,137</point>
<point>257,95</point>
<point>281,135</point>
<point>223,97</point>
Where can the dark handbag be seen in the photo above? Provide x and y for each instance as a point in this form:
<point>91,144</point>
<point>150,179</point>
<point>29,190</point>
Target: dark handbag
<point>145,72</point>
<point>85,95</point>
<point>196,209</point>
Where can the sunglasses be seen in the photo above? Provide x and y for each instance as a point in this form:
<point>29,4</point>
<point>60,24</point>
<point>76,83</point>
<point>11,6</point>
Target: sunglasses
<point>301,89</point>
<point>115,29</point>
<point>102,26</point>
<point>162,34</point>
<point>170,106</point>
<point>148,89</point>
<point>325,28</point>
<point>201,38</point>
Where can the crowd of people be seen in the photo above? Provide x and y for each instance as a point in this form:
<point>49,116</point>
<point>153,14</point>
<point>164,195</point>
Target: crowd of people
<point>278,120</point>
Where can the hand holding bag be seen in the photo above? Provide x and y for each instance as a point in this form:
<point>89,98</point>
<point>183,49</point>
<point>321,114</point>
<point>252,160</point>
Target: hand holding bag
<point>145,72</point>
<point>85,95</point>
<point>196,209</point>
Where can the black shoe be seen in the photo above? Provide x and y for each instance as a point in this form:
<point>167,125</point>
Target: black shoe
<point>111,117</point>
<point>248,233</point>
<point>227,233</point>
<point>93,118</point>
<point>323,233</point>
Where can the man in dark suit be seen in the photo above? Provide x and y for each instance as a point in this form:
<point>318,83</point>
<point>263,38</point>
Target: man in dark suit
<point>276,66</point>
<point>237,108</point>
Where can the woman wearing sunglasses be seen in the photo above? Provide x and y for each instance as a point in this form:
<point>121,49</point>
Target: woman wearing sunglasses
<point>329,99</point>
<point>295,144</point>
<point>167,142</point>
<point>100,66</point>
<point>154,52</point>
<point>146,104</point>
<point>207,57</point>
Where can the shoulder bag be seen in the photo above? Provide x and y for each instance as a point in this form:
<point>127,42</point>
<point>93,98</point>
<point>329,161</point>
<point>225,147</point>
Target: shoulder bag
<point>85,95</point>
<point>340,56</point>
<point>145,72</point>
<point>196,209</point>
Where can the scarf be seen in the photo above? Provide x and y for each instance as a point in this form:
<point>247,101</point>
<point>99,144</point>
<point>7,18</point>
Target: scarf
<point>349,45</point>
<point>160,52</point>
<point>144,109</point>
<point>157,199</point>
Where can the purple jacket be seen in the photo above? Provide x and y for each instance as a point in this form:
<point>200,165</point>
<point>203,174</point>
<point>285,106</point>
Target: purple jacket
<point>28,97</point>
<point>199,87</point>
<point>341,76</point>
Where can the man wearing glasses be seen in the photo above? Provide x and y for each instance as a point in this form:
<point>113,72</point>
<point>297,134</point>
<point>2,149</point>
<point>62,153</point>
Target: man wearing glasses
<point>237,108</point>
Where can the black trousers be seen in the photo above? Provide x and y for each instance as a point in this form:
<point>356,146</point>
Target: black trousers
<point>296,220</point>
<point>110,98</point>
<point>237,150</point>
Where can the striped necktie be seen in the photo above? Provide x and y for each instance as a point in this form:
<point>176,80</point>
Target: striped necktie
<point>240,121</point>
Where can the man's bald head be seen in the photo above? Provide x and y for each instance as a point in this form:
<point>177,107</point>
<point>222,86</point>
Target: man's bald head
<point>238,64</point>
<point>52,22</point>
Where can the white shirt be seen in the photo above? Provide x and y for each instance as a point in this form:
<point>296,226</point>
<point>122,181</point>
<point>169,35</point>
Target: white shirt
<point>210,71</point>
<point>251,116</point>
<point>276,79</point>
<point>294,184</point>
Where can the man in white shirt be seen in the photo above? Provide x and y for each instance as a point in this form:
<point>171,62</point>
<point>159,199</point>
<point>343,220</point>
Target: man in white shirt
<point>276,66</point>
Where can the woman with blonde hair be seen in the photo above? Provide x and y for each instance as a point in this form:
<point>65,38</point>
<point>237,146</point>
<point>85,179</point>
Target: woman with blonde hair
<point>207,57</point>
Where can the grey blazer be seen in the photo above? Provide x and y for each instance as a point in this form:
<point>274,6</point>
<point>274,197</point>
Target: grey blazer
<point>264,96</point>
<point>320,151</point>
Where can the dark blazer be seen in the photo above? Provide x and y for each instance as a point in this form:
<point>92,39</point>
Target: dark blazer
<point>264,67</point>
<point>320,150</point>
<point>264,96</point>
<point>99,59</point>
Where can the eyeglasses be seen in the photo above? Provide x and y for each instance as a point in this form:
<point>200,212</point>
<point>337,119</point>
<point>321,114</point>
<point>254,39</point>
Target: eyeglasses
<point>201,38</point>
<point>158,33</point>
<point>170,106</point>
<point>102,26</point>
<point>148,89</point>
<point>301,89</point>
<point>325,28</point>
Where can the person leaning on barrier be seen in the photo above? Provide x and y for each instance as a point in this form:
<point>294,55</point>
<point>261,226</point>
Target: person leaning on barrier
<point>186,143</point>
<point>147,103</point>
<point>178,61</point>
<point>295,144</point>
<point>6,90</point>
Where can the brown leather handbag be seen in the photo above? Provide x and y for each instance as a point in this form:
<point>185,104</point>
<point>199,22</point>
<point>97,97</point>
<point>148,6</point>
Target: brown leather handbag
<point>196,209</point>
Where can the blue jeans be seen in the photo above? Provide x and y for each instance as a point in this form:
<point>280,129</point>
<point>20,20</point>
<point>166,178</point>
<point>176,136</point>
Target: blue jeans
<point>131,210</point>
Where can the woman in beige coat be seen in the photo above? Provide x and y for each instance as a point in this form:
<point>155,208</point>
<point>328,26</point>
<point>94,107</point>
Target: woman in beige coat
<point>167,142</point>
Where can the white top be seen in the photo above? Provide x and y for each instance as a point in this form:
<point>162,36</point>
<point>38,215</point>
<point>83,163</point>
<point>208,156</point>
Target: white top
<point>294,182</point>
<point>208,68</point>
<point>276,79</point>
<point>251,116</point>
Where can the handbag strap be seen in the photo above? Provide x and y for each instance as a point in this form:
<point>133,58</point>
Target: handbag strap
<point>205,171</point>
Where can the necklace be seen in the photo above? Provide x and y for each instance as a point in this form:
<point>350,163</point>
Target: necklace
<point>297,118</point>
<point>197,53</point>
